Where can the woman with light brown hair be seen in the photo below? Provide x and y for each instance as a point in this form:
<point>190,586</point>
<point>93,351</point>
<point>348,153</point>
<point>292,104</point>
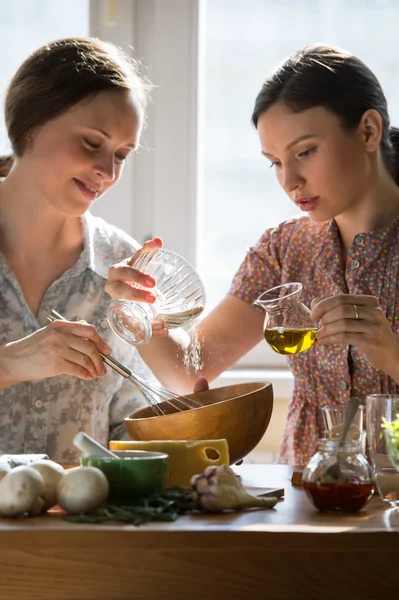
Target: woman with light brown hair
<point>74,113</point>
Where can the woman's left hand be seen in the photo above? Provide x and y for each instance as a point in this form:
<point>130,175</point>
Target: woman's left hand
<point>123,278</point>
<point>358,321</point>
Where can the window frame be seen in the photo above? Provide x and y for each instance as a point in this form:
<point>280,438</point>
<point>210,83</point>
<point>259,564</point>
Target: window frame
<point>163,35</point>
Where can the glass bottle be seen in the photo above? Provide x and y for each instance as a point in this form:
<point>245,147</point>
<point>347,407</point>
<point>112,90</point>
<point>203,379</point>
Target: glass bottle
<point>287,328</point>
<point>179,292</point>
<point>349,492</point>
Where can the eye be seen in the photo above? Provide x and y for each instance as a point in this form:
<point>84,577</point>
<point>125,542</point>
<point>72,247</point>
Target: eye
<point>275,164</point>
<point>307,153</point>
<point>120,158</point>
<point>91,145</point>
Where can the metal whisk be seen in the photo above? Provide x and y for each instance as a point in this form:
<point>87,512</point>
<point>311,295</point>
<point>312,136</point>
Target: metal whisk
<point>153,394</point>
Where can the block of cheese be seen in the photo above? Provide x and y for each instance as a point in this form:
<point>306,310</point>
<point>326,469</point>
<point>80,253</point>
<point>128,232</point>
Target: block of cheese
<point>186,458</point>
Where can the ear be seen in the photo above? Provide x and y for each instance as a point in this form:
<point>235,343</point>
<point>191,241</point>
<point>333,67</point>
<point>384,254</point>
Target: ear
<point>370,129</point>
<point>28,138</point>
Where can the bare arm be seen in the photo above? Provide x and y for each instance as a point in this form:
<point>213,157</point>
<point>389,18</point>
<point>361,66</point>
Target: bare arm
<point>229,332</point>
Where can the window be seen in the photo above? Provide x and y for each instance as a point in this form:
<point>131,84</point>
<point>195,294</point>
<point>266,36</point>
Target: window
<point>27,24</point>
<point>243,41</point>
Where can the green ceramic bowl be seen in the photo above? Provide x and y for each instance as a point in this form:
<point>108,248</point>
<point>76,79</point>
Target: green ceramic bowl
<point>140,474</point>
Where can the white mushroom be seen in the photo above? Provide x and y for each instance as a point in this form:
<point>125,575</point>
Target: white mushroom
<point>82,490</point>
<point>52,473</point>
<point>37,507</point>
<point>19,490</point>
<point>3,471</point>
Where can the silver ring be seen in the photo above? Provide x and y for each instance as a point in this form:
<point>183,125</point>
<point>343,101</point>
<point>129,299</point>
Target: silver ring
<point>356,312</point>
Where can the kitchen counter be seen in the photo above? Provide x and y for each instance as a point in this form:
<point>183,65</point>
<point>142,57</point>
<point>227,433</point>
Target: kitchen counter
<point>292,551</point>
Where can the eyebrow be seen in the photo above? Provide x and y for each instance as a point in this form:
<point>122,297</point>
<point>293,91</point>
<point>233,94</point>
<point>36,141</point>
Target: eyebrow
<point>132,146</point>
<point>301,138</point>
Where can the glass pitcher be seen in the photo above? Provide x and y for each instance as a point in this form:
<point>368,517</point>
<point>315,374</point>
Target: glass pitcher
<point>287,328</point>
<point>179,292</point>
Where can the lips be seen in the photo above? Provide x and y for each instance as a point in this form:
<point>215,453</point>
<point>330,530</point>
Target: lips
<point>307,203</point>
<point>89,190</point>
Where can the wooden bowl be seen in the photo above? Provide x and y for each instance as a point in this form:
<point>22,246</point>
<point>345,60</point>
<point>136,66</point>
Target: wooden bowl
<point>239,413</point>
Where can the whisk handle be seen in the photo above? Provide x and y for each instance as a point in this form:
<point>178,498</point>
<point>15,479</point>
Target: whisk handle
<point>116,365</point>
<point>108,359</point>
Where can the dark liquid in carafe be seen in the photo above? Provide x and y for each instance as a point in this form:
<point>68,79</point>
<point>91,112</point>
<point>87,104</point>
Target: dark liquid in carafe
<point>345,496</point>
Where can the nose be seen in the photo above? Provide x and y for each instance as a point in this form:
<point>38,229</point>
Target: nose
<point>105,167</point>
<point>291,179</point>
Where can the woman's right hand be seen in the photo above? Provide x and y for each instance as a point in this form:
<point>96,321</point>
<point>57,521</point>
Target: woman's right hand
<point>60,348</point>
<point>201,385</point>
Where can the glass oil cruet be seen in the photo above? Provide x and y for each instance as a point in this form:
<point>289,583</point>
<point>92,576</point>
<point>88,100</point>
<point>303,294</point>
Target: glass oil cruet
<point>179,292</point>
<point>287,328</point>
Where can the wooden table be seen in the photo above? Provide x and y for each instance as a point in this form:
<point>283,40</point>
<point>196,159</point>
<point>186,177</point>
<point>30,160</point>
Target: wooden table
<point>291,552</point>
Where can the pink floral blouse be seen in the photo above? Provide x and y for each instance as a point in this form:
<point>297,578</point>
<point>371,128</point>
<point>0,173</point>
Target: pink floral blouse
<point>308,252</point>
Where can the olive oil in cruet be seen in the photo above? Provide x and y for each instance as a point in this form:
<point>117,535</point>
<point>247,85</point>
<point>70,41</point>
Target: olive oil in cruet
<point>288,328</point>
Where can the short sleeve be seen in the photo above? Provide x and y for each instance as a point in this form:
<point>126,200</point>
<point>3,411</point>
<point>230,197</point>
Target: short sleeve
<point>262,267</point>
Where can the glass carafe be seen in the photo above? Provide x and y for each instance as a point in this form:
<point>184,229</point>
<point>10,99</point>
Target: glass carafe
<point>287,328</point>
<point>351,490</point>
<point>179,292</point>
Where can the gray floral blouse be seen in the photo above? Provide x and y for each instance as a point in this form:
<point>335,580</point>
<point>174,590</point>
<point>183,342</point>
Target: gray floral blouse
<point>44,416</point>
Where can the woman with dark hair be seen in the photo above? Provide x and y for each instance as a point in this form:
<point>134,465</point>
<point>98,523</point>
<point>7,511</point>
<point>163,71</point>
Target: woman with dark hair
<point>324,127</point>
<point>74,111</point>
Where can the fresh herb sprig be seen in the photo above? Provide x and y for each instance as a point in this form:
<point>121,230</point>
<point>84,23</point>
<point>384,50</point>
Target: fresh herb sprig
<point>392,439</point>
<point>392,428</point>
<point>168,505</point>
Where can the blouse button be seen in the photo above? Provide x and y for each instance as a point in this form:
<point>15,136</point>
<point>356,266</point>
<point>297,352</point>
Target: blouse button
<point>359,240</point>
<point>38,404</point>
<point>36,434</point>
<point>343,385</point>
<point>355,264</point>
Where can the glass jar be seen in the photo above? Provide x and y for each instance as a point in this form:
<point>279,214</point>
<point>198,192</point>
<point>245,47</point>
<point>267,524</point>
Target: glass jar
<point>179,292</point>
<point>344,490</point>
<point>334,417</point>
<point>287,328</point>
<point>382,408</point>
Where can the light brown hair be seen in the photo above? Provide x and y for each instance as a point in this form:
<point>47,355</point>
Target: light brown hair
<point>59,75</point>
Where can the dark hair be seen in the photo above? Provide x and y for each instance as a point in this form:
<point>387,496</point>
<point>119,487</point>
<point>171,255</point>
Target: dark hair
<point>59,75</point>
<point>335,79</point>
